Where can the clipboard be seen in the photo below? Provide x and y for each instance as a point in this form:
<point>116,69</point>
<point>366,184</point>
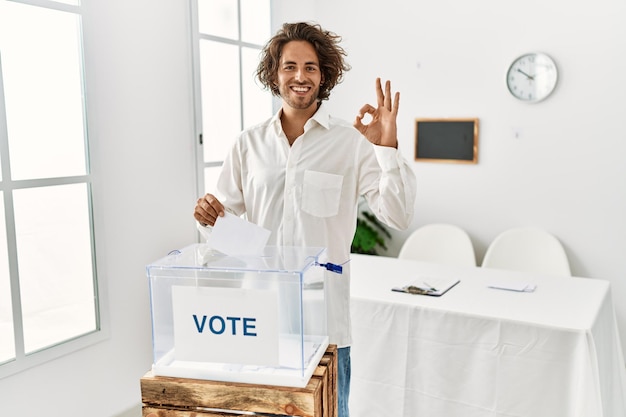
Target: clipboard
<point>434,287</point>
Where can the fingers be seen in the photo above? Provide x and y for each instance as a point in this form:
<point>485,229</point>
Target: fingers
<point>380,97</point>
<point>208,209</point>
<point>366,109</point>
<point>358,122</point>
<point>384,98</point>
<point>396,103</point>
<point>388,95</point>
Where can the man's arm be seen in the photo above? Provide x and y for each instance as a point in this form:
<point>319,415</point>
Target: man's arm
<point>392,196</point>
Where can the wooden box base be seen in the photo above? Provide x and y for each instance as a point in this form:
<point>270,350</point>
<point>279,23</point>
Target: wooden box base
<point>181,397</point>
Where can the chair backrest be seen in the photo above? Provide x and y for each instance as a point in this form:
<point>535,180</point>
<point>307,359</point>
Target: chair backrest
<point>439,243</point>
<point>527,249</point>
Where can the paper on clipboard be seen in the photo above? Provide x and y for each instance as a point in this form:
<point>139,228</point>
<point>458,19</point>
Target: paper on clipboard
<point>433,286</point>
<point>235,236</point>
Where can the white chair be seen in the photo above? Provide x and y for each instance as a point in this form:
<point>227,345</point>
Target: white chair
<point>527,249</point>
<point>439,243</point>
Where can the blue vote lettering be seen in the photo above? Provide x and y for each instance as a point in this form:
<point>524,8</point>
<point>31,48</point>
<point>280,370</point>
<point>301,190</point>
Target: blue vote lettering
<point>200,327</point>
<point>217,325</point>
<point>249,324</point>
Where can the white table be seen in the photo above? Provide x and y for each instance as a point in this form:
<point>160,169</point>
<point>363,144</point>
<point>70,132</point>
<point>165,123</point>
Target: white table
<point>478,351</point>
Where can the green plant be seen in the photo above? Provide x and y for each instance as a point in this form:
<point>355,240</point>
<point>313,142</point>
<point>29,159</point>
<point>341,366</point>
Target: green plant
<point>370,235</point>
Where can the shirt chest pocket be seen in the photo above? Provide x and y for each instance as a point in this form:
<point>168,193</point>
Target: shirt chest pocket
<point>321,193</point>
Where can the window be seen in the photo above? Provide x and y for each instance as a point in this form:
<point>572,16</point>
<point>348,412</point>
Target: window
<point>227,40</point>
<point>48,296</point>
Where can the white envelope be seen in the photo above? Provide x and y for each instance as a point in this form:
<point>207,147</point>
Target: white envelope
<point>513,286</point>
<point>235,236</point>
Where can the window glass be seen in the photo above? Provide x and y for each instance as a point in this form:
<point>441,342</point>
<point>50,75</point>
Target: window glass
<point>255,21</point>
<point>257,102</point>
<point>42,91</point>
<point>7,340</point>
<point>55,264</point>
<point>230,36</point>
<point>218,18</point>
<point>221,107</point>
<point>211,174</point>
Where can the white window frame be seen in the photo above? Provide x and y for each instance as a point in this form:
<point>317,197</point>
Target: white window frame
<point>201,164</point>
<point>22,360</point>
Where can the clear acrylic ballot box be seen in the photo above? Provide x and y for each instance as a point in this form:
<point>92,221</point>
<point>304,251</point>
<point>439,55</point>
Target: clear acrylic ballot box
<point>257,319</point>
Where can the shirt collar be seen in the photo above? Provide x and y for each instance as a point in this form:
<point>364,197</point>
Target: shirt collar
<point>321,116</point>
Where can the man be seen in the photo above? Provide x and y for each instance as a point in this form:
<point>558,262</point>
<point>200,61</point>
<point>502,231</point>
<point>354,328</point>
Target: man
<point>300,173</point>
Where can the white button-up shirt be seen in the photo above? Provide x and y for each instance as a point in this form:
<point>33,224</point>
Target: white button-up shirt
<point>307,194</point>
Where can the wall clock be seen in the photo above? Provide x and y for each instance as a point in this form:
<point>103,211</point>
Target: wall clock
<point>532,77</point>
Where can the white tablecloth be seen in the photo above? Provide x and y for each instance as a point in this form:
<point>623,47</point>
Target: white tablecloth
<point>478,351</point>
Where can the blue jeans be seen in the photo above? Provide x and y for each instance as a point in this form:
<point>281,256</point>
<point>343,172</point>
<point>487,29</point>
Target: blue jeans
<point>343,381</point>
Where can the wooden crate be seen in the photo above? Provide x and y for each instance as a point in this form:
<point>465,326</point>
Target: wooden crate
<point>183,397</point>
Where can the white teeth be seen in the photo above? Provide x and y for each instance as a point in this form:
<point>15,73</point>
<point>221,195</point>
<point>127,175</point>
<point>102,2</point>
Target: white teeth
<point>300,89</point>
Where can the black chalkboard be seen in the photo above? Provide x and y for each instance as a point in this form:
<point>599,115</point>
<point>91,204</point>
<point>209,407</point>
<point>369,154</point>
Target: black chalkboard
<point>446,140</point>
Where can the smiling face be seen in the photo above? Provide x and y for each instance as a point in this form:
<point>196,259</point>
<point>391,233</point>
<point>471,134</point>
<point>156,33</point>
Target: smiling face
<point>299,76</point>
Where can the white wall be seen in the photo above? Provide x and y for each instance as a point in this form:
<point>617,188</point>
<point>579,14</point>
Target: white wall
<point>565,172</point>
<point>448,58</point>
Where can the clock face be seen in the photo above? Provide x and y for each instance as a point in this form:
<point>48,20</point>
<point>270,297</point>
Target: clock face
<point>532,77</point>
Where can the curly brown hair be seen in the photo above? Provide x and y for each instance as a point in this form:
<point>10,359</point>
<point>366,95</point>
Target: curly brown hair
<point>326,44</point>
